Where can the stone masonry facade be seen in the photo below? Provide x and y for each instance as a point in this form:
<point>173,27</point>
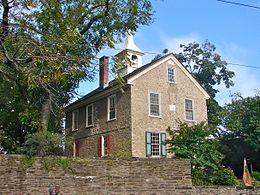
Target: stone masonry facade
<point>175,94</point>
<point>105,176</point>
<point>119,129</point>
<point>128,129</point>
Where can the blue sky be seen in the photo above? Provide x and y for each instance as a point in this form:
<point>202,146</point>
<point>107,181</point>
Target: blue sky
<point>234,30</point>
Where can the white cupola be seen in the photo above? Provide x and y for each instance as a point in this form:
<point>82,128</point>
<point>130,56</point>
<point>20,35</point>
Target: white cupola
<point>133,53</point>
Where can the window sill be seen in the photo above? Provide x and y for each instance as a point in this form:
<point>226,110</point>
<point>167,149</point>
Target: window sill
<point>157,157</point>
<point>73,130</point>
<point>152,116</point>
<point>171,82</point>
<point>110,120</point>
<point>89,126</point>
<point>191,121</point>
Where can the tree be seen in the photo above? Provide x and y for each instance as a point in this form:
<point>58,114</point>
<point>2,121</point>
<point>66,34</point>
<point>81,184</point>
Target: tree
<point>47,47</point>
<point>198,144</point>
<point>240,135</point>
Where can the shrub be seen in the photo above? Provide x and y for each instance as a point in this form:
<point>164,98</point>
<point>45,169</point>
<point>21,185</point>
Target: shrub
<point>199,144</point>
<point>45,144</point>
<point>256,176</point>
<point>224,176</point>
<point>221,176</point>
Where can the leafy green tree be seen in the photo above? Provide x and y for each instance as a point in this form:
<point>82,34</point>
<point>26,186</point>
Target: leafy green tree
<point>198,143</point>
<point>47,47</point>
<point>240,135</point>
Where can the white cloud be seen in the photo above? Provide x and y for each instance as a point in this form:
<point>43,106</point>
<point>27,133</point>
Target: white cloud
<point>246,82</point>
<point>173,43</point>
<point>246,79</point>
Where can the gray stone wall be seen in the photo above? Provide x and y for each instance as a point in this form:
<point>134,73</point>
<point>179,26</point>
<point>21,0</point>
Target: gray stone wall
<point>104,176</point>
<point>171,94</point>
<point>97,176</point>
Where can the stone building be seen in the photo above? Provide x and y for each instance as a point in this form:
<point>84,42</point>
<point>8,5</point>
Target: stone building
<point>107,122</point>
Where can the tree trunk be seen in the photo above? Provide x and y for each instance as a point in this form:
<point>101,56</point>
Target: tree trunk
<point>46,112</point>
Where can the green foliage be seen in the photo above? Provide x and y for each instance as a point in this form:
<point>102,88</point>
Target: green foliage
<point>242,119</point>
<point>51,163</point>
<point>194,142</point>
<point>197,143</point>
<point>240,136</point>
<point>256,175</point>
<point>222,176</point>
<point>123,149</point>
<point>206,65</point>
<point>25,162</point>
<point>44,144</point>
<point>48,50</point>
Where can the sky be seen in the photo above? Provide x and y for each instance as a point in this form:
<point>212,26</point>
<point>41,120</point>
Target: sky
<point>233,29</point>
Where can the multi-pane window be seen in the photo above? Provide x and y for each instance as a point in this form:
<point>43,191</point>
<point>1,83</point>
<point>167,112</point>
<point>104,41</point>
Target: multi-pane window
<point>189,109</point>
<point>75,120</point>
<point>155,144</point>
<point>171,74</point>
<point>89,115</point>
<point>154,104</point>
<point>111,104</point>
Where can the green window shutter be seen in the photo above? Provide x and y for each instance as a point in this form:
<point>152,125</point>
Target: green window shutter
<point>148,144</point>
<point>163,145</point>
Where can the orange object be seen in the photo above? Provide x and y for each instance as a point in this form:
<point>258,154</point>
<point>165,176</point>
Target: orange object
<point>246,175</point>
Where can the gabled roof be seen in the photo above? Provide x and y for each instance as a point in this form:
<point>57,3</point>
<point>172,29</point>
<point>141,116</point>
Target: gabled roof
<point>146,68</point>
<point>139,72</point>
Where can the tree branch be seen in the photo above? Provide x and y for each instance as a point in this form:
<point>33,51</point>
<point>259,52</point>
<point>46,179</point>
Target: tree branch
<point>5,19</point>
<point>96,17</point>
<point>5,52</point>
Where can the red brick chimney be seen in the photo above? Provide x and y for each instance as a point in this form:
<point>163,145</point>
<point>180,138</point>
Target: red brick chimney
<point>103,71</point>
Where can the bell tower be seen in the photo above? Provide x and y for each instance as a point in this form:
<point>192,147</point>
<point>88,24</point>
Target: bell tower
<point>132,53</point>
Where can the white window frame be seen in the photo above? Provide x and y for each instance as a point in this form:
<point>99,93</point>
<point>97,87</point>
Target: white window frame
<point>174,74</point>
<point>108,107</point>
<point>149,101</point>
<point>87,115</point>
<point>73,120</point>
<point>103,138</point>
<point>160,144</point>
<point>105,145</point>
<point>193,113</point>
<point>153,144</point>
